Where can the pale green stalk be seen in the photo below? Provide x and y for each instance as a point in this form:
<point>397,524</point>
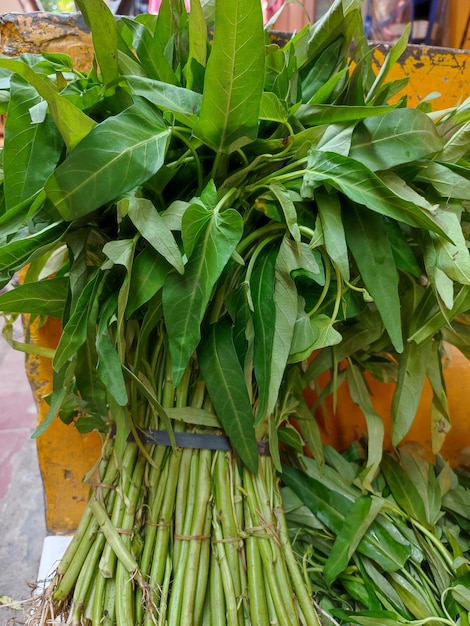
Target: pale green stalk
<point>193,564</point>
<point>163,607</point>
<point>231,609</point>
<point>157,571</point>
<point>108,559</point>
<point>269,549</point>
<point>203,574</point>
<point>256,582</point>
<point>97,612</point>
<point>109,604</point>
<point>217,596</point>
<point>85,579</point>
<point>185,511</point>
<point>184,500</point>
<point>232,543</point>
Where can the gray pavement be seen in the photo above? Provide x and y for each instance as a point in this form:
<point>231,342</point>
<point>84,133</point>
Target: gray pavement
<point>22,517</point>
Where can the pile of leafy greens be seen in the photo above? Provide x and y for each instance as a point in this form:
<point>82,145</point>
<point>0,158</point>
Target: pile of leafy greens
<point>203,213</point>
<point>397,554</point>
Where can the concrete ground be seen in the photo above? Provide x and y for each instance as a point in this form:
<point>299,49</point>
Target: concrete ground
<point>22,518</point>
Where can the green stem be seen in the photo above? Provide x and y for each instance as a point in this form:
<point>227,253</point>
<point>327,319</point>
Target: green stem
<point>203,573</point>
<point>301,590</point>
<point>259,234</point>
<point>120,549</point>
<point>193,565</point>
<point>216,590</point>
<point>256,591</point>
<point>160,547</point>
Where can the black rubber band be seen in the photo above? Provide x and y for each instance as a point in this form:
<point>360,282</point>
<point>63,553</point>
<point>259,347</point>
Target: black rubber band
<point>199,441</point>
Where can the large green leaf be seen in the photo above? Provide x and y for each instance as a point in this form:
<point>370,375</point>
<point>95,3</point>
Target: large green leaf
<point>446,180</point>
<point>329,209</point>
<point>366,234</point>
<point>399,136</point>
<point>360,184</point>
<point>102,23</point>
<point>31,151</point>
<point>75,330</point>
<point>45,297</point>
<point>109,366</point>
<point>403,489</point>
<point>149,271</point>
<point>150,51</point>
<point>375,427</point>
<point>383,543</point>
<point>185,297</point>
<point>264,321</point>
<point>234,77</point>
<point>183,103</point>
<point>225,382</point>
<point>292,256</point>
<point>119,155</point>
<point>413,363</point>
<point>19,252</point>
<point>363,512</point>
<point>72,123</point>
<point>150,224</point>
<point>320,114</point>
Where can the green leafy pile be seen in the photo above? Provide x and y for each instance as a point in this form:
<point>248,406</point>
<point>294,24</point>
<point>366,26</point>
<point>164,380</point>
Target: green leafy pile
<point>399,554</point>
<point>202,214</point>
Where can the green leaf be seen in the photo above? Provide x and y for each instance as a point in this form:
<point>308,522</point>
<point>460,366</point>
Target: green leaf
<point>323,114</point>
<point>288,208</point>
<point>31,151</point>
<point>264,321</point>
<point>72,123</point>
<point>397,137</point>
<point>102,24</point>
<point>369,618</point>
<point>272,108</point>
<point>375,427</point>
<point>225,382</point>
<point>149,48</point>
<point>453,257</point>
<point>119,155</point>
<point>150,224</point>
<point>109,366</point>
<point>292,256</point>
<point>361,185</point>
<point>61,382</point>
<point>364,510</point>
<point>234,77</point>
<point>383,544</point>
<point>75,330</point>
<point>183,103</point>
<point>329,209</point>
<point>149,272</point>
<point>185,297</point>
<point>447,183</point>
<point>456,145</point>
<point>366,234</point>
<point>19,252</point>
<point>412,368</point>
<point>404,489</point>
<point>391,59</point>
<point>46,297</point>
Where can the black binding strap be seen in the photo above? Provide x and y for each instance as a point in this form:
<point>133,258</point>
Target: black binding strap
<point>199,441</point>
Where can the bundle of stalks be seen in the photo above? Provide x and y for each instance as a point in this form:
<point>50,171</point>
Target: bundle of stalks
<point>180,536</point>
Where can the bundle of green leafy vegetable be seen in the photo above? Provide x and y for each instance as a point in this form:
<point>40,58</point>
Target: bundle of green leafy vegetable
<point>397,554</point>
<point>202,215</point>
